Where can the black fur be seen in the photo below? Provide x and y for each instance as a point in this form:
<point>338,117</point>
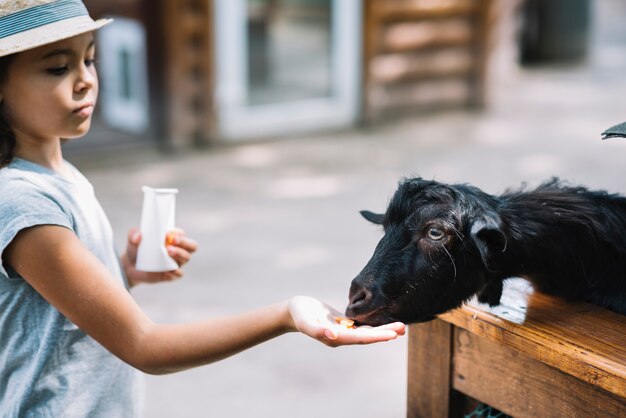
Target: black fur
<point>444,244</point>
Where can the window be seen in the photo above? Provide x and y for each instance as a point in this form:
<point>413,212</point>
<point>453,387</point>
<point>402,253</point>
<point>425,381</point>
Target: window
<point>124,75</point>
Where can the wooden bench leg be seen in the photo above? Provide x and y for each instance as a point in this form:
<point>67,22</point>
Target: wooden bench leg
<point>430,393</point>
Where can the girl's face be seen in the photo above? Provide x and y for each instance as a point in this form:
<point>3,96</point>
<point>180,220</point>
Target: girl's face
<point>50,91</point>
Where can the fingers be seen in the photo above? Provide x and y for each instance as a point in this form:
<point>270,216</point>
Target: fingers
<point>180,255</point>
<point>181,241</point>
<point>180,248</point>
<point>134,236</point>
<point>318,320</point>
<point>187,243</point>
<point>339,335</point>
<point>168,276</point>
<point>398,327</point>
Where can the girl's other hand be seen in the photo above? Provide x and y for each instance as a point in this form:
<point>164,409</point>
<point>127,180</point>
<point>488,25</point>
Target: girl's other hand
<point>317,320</point>
<point>180,249</point>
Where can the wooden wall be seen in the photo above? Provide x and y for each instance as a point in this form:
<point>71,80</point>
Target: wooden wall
<point>128,8</point>
<point>424,54</point>
<point>185,55</point>
<point>417,55</point>
<point>102,136</point>
<point>180,62</point>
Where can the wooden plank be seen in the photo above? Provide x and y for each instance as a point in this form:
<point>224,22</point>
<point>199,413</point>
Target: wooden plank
<point>429,363</point>
<point>425,34</point>
<point>582,340</point>
<point>447,62</point>
<point>423,9</point>
<point>523,387</point>
<point>392,97</point>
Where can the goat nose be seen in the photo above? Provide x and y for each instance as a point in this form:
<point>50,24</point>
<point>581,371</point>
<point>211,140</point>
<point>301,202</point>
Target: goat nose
<point>359,296</point>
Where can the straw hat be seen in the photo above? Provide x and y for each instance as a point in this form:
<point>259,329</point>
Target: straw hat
<point>27,24</point>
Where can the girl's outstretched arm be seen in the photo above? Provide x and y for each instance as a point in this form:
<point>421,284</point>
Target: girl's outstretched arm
<point>54,261</point>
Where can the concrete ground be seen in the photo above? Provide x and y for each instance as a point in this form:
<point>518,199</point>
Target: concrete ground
<point>276,219</point>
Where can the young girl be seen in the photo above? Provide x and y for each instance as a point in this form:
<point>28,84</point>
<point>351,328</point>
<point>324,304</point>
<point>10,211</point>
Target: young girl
<point>71,336</point>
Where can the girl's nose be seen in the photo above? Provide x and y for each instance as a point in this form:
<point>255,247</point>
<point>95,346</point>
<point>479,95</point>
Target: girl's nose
<point>86,80</point>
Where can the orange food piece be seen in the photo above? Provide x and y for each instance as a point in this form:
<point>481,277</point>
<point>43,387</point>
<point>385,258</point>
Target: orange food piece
<point>170,237</point>
<point>346,322</point>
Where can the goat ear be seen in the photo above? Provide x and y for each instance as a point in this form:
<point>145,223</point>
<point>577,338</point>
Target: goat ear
<point>376,218</point>
<point>488,237</point>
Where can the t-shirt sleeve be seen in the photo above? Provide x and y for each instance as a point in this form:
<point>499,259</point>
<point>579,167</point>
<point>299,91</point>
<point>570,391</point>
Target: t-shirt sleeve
<point>23,206</point>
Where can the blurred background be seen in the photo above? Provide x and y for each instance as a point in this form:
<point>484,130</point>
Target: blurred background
<point>278,120</point>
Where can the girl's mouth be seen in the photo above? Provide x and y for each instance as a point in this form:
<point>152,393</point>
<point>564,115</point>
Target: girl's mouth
<point>84,111</point>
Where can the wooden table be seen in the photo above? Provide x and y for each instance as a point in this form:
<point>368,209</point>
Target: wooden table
<point>532,356</point>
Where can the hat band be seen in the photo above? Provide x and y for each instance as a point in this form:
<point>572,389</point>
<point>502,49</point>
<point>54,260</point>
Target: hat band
<point>41,15</point>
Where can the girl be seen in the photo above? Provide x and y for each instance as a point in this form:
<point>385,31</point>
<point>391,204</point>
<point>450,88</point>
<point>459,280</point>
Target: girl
<point>71,336</point>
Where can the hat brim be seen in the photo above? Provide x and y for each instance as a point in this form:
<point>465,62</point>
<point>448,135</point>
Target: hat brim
<point>49,34</point>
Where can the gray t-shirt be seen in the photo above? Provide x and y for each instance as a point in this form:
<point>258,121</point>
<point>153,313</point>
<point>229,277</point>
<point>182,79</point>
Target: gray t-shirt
<point>48,366</point>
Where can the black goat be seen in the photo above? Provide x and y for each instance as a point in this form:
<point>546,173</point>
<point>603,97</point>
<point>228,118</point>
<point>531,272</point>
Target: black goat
<point>445,243</point>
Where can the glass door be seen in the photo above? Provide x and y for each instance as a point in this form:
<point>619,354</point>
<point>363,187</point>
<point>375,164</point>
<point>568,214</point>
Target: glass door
<point>286,66</point>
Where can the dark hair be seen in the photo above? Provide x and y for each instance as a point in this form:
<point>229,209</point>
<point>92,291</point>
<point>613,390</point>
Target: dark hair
<point>7,137</point>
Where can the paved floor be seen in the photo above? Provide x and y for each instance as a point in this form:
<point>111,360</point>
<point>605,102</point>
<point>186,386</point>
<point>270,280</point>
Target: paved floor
<point>277,219</point>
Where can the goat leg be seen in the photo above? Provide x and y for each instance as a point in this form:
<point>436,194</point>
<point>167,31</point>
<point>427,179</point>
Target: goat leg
<point>491,293</point>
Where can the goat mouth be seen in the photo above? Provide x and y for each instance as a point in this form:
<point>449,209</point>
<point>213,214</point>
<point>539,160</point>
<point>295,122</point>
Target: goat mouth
<point>374,317</point>
<point>386,315</point>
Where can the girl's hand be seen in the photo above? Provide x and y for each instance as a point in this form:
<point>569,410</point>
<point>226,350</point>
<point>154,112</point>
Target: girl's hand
<point>180,250</point>
<point>317,320</point>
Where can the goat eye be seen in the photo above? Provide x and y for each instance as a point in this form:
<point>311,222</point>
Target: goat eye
<point>435,234</point>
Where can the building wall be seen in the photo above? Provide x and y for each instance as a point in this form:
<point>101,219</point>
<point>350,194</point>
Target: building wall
<point>179,73</point>
<point>423,54</point>
<point>417,55</point>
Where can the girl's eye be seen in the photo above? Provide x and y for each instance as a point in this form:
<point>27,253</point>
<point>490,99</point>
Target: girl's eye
<point>90,62</point>
<point>435,234</point>
<point>57,70</point>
